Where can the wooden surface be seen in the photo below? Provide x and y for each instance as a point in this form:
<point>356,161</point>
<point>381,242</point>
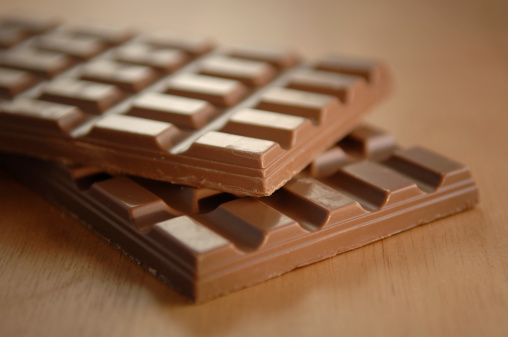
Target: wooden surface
<point>447,278</point>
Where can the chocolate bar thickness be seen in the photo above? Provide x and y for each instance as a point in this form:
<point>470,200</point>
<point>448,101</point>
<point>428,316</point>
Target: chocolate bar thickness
<point>241,120</point>
<point>206,243</point>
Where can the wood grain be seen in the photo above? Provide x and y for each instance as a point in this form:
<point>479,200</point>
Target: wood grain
<point>447,278</point>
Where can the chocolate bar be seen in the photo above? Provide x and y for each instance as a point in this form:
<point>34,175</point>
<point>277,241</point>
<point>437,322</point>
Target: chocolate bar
<point>242,120</point>
<point>206,243</point>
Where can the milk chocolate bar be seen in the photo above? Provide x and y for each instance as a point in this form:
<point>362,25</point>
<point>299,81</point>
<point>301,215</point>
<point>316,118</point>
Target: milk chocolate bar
<point>242,120</point>
<point>207,243</point>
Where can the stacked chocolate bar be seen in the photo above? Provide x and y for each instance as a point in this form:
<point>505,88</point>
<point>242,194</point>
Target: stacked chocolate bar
<point>215,168</point>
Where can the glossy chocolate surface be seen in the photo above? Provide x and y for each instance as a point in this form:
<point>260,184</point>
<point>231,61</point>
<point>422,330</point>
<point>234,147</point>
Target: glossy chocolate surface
<point>243,120</point>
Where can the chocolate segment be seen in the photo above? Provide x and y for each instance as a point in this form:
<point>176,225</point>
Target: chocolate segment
<point>252,224</point>
<point>300,103</point>
<point>130,201</point>
<point>91,97</point>
<point>134,131</point>
<point>328,162</point>
<point>371,71</point>
<point>375,186</point>
<point>218,91</point>
<point>41,63</point>
<point>130,78</point>
<point>33,25</point>
<point>108,34</point>
<point>13,82</point>
<point>165,60</point>
<point>430,170</point>
<point>237,242</point>
<point>193,45</point>
<point>278,57</point>
<point>181,111</point>
<point>196,246</point>
<point>313,203</point>
<point>236,150</point>
<point>42,117</point>
<point>11,36</point>
<point>366,141</point>
<point>80,47</point>
<point>284,129</point>
<point>186,199</point>
<point>250,73</point>
<point>342,86</point>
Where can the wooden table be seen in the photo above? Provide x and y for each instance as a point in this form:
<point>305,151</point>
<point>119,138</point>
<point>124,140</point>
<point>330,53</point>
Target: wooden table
<point>447,278</point>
